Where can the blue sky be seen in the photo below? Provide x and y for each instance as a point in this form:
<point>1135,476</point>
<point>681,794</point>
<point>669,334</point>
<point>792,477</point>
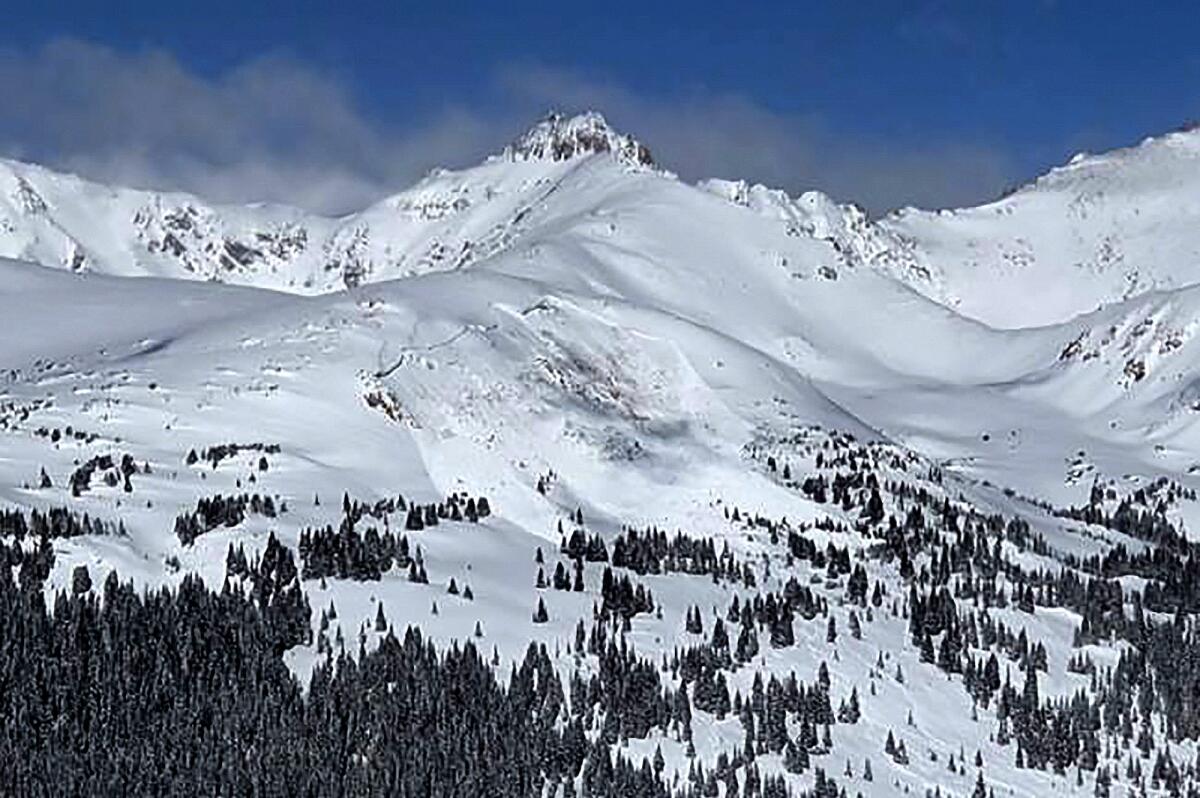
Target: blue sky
<point>884,103</point>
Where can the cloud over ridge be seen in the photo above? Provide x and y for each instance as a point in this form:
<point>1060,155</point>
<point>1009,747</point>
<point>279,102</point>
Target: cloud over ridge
<point>277,129</point>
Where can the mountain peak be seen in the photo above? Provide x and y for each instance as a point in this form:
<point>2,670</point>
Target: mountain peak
<point>559,138</point>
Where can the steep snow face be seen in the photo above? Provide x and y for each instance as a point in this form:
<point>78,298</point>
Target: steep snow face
<point>1101,229</point>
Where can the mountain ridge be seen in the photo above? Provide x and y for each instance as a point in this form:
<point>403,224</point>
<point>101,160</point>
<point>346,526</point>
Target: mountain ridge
<point>1085,234</point>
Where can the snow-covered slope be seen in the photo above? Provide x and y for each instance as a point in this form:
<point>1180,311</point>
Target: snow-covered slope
<point>444,222</point>
<point>1101,229</point>
<point>591,344</point>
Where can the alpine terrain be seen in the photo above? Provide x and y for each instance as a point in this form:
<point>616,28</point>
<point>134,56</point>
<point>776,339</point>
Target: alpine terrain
<point>560,476</point>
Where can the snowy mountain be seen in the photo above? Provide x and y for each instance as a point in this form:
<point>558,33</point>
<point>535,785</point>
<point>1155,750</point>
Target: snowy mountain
<point>1100,230</point>
<point>444,222</point>
<point>793,498</point>
<point>1097,231</point>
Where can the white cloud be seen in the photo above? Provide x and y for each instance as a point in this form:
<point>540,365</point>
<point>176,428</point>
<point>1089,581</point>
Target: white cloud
<point>276,129</point>
<point>273,129</point>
